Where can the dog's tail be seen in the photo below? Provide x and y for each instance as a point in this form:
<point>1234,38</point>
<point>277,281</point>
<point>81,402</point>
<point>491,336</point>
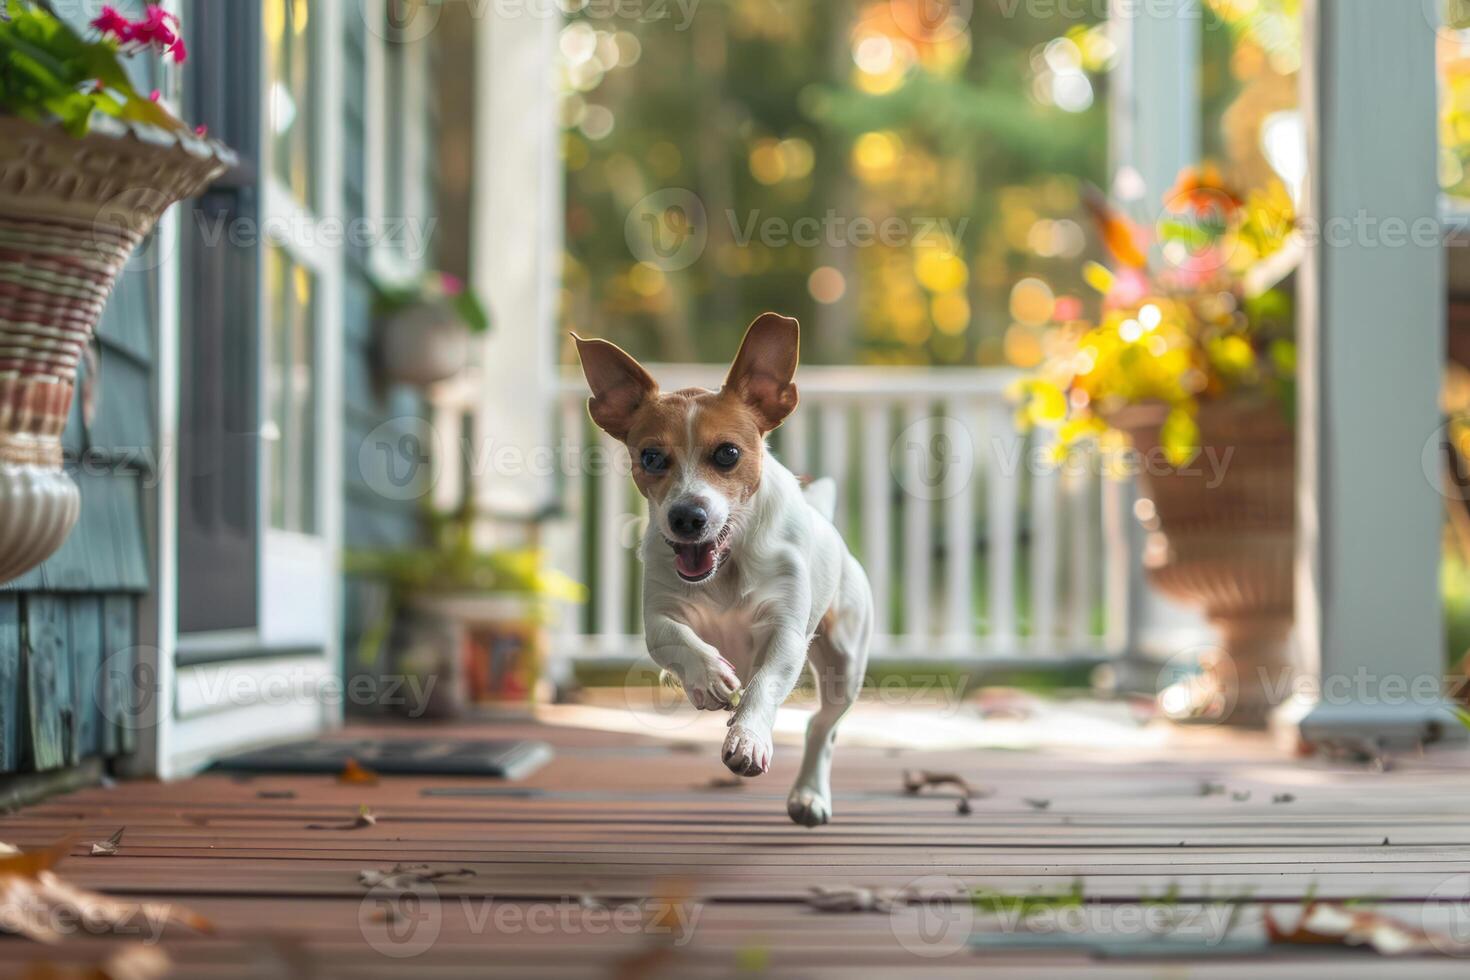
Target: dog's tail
<point>822,496</point>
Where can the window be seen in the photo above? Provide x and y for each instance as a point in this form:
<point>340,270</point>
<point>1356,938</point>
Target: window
<point>397,131</point>
<point>300,289</point>
<point>289,432</point>
<point>289,36</point>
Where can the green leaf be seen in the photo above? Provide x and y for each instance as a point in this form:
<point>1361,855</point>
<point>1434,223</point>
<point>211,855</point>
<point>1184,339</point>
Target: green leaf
<point>472,312</point>
<point>1180,437</point>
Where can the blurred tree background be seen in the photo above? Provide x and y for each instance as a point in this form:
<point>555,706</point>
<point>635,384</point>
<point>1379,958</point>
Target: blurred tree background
<point>901,175</point>
<point>961,141</point>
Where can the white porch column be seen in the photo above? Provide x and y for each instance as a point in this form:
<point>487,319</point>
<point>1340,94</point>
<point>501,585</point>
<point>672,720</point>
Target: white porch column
<point>1372,325</point>
<point>1155,100</point>
<point>516,252</point>
<point>1155,133</point>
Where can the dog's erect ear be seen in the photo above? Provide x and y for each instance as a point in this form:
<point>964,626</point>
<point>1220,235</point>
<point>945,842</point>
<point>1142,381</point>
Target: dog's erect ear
<point>619,385</point>
<point>762,372</point>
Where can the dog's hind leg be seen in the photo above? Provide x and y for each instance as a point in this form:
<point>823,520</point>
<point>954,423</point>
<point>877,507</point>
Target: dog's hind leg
<point>839,657</point>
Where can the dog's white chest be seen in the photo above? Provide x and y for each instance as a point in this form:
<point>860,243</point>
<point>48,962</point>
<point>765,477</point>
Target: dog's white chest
<point>731,630</point>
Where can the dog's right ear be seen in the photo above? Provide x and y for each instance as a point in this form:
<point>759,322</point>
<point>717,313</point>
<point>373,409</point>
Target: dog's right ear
<point>619,385</point>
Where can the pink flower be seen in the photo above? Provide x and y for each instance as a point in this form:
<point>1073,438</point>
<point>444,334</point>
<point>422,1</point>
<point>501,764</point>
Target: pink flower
<point>453,285</point>
<point>201,131</point>
<point>155,95</point>
<point>1067,308</point>
<point>114,23</point>
<point>1129,289</point>
<point>158,29</point>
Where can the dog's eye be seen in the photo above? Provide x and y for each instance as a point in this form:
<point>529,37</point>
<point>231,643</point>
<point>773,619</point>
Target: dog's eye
<point>654,460</point>
<point>727,455</point>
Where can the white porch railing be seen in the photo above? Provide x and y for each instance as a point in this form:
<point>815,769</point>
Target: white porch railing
<point>976,547</point>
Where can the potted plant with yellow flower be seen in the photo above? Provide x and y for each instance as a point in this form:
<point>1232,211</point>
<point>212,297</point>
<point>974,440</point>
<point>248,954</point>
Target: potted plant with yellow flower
<point>1190,361</point>
<point>88,163</point>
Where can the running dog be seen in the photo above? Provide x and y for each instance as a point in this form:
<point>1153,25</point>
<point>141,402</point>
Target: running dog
<point>746,578</point>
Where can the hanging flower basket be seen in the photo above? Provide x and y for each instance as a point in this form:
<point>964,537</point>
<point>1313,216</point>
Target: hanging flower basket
<point>422,344</point>
<point>88,162</point>
<point>425,328</point>
<point>72,209</point>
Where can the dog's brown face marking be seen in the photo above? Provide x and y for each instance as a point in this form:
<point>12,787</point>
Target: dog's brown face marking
<point>699,428</point>
<point>697,454</point>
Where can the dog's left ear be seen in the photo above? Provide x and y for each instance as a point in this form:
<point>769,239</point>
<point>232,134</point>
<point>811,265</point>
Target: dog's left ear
<point>762,372</point>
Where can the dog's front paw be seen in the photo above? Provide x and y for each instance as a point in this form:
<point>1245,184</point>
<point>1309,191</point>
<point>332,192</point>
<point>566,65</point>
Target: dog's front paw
<point>808,807</point>
<point>710,684</point>
<point>746,752</point>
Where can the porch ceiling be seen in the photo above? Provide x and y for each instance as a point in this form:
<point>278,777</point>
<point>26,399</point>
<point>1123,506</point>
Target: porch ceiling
<point>618,817</point>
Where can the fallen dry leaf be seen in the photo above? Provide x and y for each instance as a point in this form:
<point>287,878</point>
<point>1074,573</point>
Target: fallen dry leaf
<point>107,848</point>
<point>365,818</point>
<point>858,898</point>
<point>916,782</point>
<point>401,876</point>
<point>355,773</point>
<point>1037,804</point>
<point>34,900</point>
<point>1325,923</point>
<point>855,898</point>
<point>276,794</point>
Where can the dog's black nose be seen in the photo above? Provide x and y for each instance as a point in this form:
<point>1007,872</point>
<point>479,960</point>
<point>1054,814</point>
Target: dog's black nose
<point>688,521</point>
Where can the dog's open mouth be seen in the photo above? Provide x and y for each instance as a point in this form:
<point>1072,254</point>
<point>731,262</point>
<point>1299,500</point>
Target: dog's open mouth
<point>698,562</point>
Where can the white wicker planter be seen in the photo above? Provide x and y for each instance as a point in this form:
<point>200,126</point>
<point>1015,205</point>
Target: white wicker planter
<point>71,212</point>
<point>38,509</point>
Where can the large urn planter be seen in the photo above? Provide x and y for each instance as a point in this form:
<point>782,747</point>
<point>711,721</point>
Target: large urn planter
<point>72,210</point>
<point>1221,537</point>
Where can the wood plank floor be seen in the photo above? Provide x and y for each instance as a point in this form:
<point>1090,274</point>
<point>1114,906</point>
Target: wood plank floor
<point>620,859</point>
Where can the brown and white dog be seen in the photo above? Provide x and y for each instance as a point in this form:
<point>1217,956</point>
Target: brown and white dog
<point>745,577</point>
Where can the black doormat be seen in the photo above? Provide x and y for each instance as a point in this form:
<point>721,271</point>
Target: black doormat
<point>397,757</point>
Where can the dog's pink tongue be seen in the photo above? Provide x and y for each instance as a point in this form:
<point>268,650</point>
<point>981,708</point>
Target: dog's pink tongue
<point>694,560</point>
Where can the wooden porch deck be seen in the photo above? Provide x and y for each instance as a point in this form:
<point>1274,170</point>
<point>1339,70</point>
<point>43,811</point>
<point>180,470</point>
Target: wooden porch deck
<point>719,879</point>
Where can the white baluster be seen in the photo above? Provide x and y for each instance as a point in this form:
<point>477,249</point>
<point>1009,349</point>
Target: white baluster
<point>960,478</point>
<point>449,426</point>
<point>612,550</point>
<point>795,449</point>
<point>1118,495</point>
<point>1044,541</point>
<point>920,481</point>
<point>1000,457</point>
<point>877,504</point>
<point>1081,517</point>
<point>833,451</point>
<point>570,553</point>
